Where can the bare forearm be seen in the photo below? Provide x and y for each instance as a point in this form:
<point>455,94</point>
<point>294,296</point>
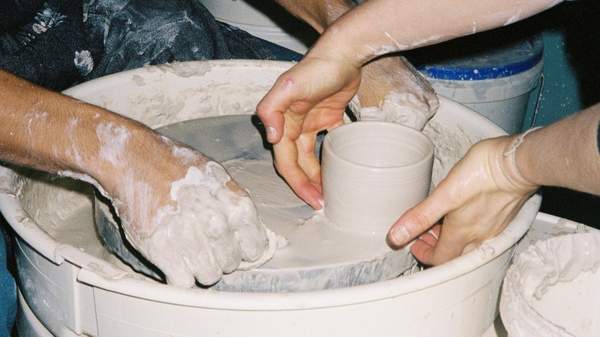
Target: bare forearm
<point>564,154</point>
<point>382,26</point>
<point>52,132</point>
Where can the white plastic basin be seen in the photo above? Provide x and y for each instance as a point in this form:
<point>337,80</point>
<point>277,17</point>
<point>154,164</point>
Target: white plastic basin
<point>552,288</point>
<point>75,290</point>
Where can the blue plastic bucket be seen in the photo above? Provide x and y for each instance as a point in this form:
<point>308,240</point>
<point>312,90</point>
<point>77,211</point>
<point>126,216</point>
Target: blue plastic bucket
<point>490,74</point>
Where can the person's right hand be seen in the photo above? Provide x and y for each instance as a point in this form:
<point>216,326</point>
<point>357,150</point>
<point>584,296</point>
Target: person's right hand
<point>477,200</point>
<point>398,91</point>
<point>182,211</point>
<point>310,97</point>
<point>179,209</point>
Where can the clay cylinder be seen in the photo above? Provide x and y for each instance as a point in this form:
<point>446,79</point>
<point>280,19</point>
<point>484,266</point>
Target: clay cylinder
<point>372,172</point>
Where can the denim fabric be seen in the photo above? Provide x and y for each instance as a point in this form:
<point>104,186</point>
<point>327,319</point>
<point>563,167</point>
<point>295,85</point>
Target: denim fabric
<point>15,13</point>
<point>131,34</point>
<point>43,50</point>
<point>67,41</point>
<point>8,292</point>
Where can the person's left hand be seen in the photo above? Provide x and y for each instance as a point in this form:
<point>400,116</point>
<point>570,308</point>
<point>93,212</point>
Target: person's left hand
<point>309,98</point>
<point>415,100</point>
<point>477,200</point>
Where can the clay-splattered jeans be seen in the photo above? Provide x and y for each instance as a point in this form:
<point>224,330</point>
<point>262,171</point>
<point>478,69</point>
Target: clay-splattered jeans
<point>65,42</point>
<point>70,41</point>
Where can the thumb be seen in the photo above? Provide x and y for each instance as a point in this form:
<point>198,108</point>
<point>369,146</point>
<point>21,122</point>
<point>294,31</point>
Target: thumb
<point>274,104</point>
<point>418,219</point>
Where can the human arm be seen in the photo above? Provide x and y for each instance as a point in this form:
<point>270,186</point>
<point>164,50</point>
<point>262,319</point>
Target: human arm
<point>379,27</point>
<point>295,158</point>
<point>138,169</point>
<point>319,87</point>
<point>380,77</point>
<point>486,189</point>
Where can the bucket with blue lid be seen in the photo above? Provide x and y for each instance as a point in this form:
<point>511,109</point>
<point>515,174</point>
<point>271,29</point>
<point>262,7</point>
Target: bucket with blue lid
<point>493,73</point>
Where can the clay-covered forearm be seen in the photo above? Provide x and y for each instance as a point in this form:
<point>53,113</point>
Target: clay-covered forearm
<point>319,14</point>
<point>564,154</point>
<point>380,77</point>
<point>52,132</point>
<point>382,26</point>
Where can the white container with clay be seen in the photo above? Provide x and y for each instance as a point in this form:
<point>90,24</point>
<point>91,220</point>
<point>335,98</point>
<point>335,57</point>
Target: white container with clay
<point>552,288</point>
<point>491,73</point>
<point>70,285</point>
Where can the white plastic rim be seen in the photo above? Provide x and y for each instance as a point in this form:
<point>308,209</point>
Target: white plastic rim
<point>244,16</point>
<point>372,172</point>
<point>238,12</point>
<point>107,277</point>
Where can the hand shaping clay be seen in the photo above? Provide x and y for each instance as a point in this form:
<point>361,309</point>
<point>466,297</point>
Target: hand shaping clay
<point>313,253</point>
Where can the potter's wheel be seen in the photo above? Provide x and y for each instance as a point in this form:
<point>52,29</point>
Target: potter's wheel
<point>318,254</point>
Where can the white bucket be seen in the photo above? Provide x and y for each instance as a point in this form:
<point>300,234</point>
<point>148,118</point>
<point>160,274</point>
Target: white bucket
<point>553,288</point>
<point>268,23</point>
<point>74,289</point>
<point>494,74</point>
<point>502,100</point>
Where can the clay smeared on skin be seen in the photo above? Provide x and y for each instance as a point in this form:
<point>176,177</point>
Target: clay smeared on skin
<point>113,140</point>
<point>401,108</point>
<point>184,154</point>
<point>204,229</point>
<point>231,231</point>
<point>73,151</point>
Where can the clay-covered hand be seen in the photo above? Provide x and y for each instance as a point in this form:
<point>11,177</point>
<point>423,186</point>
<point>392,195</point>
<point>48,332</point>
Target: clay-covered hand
<point>479,197</point>
<point>184,213</point>
<point>398,91</point>
<point>309,98</point>
<point>180,210</point>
